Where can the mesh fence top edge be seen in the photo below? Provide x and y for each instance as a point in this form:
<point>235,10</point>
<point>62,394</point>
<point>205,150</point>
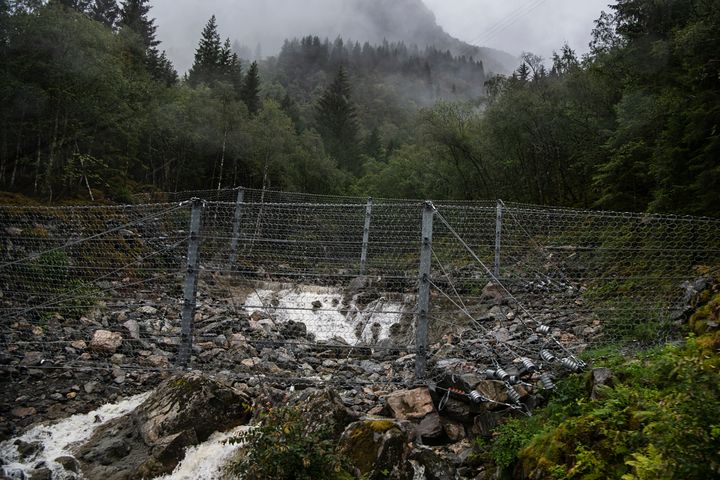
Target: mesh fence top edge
<point>280,198</point>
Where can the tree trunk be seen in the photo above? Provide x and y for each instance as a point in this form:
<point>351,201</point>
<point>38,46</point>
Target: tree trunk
<point>38,162</point>
<point>87,183</point>
<point>222,159</point>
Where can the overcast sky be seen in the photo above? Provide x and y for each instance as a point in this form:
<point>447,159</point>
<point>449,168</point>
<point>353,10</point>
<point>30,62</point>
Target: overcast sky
<point>538,26</point>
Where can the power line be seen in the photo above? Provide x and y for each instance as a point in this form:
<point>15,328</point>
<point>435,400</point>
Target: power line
<point>506,22</point>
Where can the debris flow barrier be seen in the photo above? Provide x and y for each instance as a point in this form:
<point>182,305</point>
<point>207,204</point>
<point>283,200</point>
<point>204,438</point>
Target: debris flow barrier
<point>297,288</point>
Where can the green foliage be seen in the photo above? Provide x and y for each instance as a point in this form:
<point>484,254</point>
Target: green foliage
<point>657,421</point>
<point>705,316</point>
<point>337,122</point>
<point>511,437</point>
<point>285,446</point>
<point>250,92</point>
<point>631,126</point>
<point>50,275</point>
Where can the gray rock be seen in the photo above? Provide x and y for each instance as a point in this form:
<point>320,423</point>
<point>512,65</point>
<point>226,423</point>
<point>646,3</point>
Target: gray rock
<point>455,431</point>
<point>32,359</point>
<point>43,473</point>
<point>357,284</point>
<point>369,366</point>
<point>493,293</point>
<point>150,441</point>
<point>147,310</point>
<point>485,423</point>
<point>27,449</point>
<point>133,328</point>
<point>430,427</point>
<point>600,378</point>
<point>436,468</point>
<point>324,407</point>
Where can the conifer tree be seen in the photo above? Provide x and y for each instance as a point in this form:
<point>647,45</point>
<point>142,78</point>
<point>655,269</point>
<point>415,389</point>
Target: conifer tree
<point>208,55</point>
<point>105,12</point>
<point>251,89</point>
<point>373,145</point>
<point>523,72</point>
<point>234,75</point>
<point>161,68</point>
<point>229,67</point>
<point>337,122</point>
<point>81,6</point>
<point>134,16</point>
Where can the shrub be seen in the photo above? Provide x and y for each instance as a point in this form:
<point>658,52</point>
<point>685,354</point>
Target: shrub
<point>285,446</point>
<point>660,420</point>
<point>50,274</point>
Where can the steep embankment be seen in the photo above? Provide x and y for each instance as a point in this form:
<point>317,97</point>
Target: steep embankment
<point>649,415</point>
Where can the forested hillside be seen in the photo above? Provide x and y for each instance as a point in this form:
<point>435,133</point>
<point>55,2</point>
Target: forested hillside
<point>92,109</point>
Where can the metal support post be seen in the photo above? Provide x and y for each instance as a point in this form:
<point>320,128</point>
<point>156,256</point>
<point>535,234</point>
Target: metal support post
<point>234,243</point>
<point>366,236</point>
<point>191,281</point>
<point>498,237</point>
<point>421,324</point>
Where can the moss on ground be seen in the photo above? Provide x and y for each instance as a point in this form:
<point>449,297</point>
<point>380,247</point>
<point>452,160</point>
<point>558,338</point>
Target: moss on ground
<point>659,420</point>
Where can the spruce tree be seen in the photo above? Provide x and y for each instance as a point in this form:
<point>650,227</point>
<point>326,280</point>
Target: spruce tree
<point>105,12</point>
<point>161,68</point>
<point>251,89</point>
<point>234,75</point>
<point>337,122</point>
<point>134,17</point>
<point>208,56</point>
<point>81,6</point>
<point>373,145</point>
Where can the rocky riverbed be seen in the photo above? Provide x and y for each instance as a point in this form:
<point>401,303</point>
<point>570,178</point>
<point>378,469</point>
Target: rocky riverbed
<point>255,353</point>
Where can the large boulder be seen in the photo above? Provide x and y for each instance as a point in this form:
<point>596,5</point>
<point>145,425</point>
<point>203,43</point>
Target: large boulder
<point>150,441</point>
<point>410,404</point>
<point>105,341</point>
<point>377,449</point>
<point>324,407</point>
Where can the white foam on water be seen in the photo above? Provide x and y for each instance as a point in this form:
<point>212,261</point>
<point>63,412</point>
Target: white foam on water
<point>60,437</point>
<point>418,471</point>
<point>206,460</point>
<point>202,462</point>
<point>332,318</point>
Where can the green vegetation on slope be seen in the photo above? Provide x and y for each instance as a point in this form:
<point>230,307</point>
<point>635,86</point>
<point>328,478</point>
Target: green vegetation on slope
<point>659,417</point>
<point>92,108</point>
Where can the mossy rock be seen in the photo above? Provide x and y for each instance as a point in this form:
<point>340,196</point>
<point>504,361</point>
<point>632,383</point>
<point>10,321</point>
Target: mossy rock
<point>149,441</point>
<point>377,448</point>
<point>706,317</point>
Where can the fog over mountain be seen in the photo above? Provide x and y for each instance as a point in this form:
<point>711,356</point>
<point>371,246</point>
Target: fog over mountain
<point>268,23</point>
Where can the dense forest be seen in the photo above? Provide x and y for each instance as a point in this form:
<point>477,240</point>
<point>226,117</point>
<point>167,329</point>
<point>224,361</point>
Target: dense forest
<point>91,108</point>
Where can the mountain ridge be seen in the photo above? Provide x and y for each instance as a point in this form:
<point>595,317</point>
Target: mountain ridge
<point>270,24</point>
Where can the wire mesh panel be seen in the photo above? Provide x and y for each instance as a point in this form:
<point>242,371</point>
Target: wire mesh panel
<point>631,270</point>
<point>282,295</point>
<point>603,277</point>
<point>304,288</point>
<point>88,288</point>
